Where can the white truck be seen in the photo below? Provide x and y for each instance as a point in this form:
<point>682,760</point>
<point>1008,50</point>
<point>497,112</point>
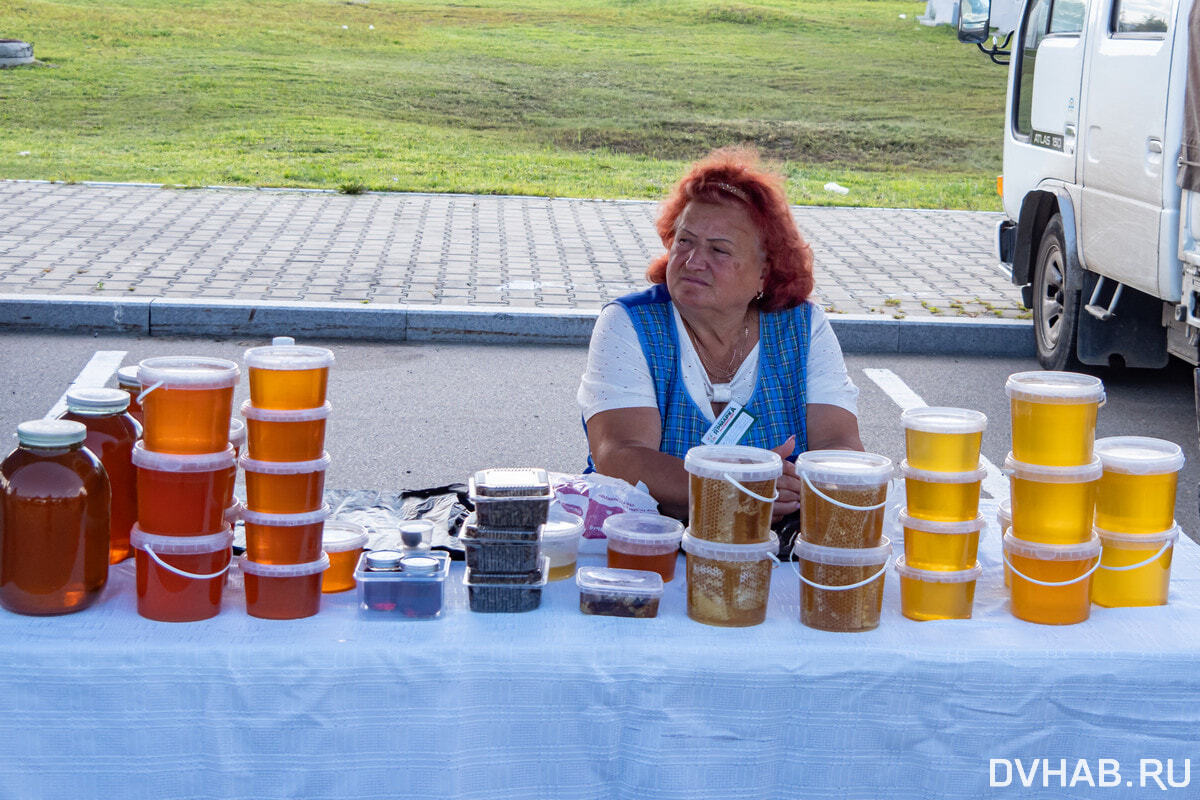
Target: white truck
<point>1101,180</point>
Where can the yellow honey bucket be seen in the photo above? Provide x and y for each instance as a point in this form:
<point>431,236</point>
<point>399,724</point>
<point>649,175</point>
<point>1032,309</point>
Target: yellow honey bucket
<point>1137,489</point>
<point>943,439</point>
<point>1051,582</point>
<point>936,594</point>
<point>942,496</point>
<point>1004,519</point>
<point>945,546</point>
<point>1054,416</point>
<point>1053,505</point>
<point>1135,568</point>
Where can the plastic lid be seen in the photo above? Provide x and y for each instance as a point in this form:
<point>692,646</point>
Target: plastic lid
<point>843,556</point>
<point>643,528</point>
<point>188,372</point>
<point>283,341</point>
<point>285,414</point>
<point>1004,512</point>
<point>237,431</point>
<point>234,512</point>
<point>606,580</point>
<point>1139,455</point>
<point>284,570</point>
<point>719,551</point>
<point>383,559</point>
<point>1042,474</point>
<point>340,536</point>
<point>510,482</point>
<point>97,402</point>
<point>128,377</point>
<point>933,526</point>
<point>1052,552</point>
<point>1054,387</point>
<point>845,467</point>
<point>182,462</point>
<point>181,545</point>
<point>936,575</point>
<point>51,433</point>
<point>286,520</point>
<point>288,356</point>
<point>942,419</point>
<point>561,525</point>
<point>283,467</point>
<point>930,476</point>
<point>1170,534</point>
<point>420,565</point>
<point>738,461</point>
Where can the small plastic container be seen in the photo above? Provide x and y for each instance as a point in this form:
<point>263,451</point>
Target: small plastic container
<point>731,491</point>
<point>941,439</point>
<point>1137,490</point>
<point>237,435</point>
<point>936,594</point>
<point>511,497</point>
<point>416,534</point>
<point>180,578</point>
<point>841,589</point>
<point>127,381</point>
<point>343,542</point>
<point>499,593</point>
<point>1054,416</point>
<point>1051,583</point>
<point>275,435</point>
<point>502,555</point>
<point>842,497</point>
<point>1052,505</point>
<point>284,487</point>
<point>942,496</point>
<point>284,538</point>
<point>393,584</point>
<point>471,529</point>
<point>187,402</point>
<point>643,542</point>
<point>283,591</point>
<point>286,375</point>
<point>948,546</point>
<point>560,543</point>
<point>1135,568</point>
<point>728,585</point>
<point>233,514</point>
<point>183,495</point>
<point>619,592</point>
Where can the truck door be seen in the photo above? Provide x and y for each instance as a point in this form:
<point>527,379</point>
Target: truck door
<point>1125,110</point>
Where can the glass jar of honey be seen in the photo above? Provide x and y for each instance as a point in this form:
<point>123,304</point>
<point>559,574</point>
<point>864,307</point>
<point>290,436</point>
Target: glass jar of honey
<point>54,502</point>
<point>127,381</point>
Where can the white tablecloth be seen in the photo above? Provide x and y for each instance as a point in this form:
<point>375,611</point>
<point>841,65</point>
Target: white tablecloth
<point>556,704</point>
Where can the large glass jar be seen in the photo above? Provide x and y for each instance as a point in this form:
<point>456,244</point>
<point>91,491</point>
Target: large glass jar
<point>54,501</point>
<point>127,379</point>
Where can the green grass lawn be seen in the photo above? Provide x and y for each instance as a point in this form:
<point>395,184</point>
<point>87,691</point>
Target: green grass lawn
<point>579,98</point>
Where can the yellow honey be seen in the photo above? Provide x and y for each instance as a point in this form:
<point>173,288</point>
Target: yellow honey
<point>1054,416</point>
<point>943,439</point>
<point>934,594</point>
<point>942,496</point>
<point>1135,568</point>
<point>1068,568</point>
<point>1137,489</point>
<point>1004,520</point>
<point>1052,505</point>
<point>947,546</point>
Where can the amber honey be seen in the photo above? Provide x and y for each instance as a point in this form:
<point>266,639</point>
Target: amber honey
<point>728,594</point>
<point>285,435</point>
<point>343,542</point>
<point>127,381</point>
<point>718,511</point>
<point>283,591</point>
<point>187,420</point>
<point>183,495</point>
<point>831,598</point>
<point>284,487</point>
<point>284,538</point>
<point>662,563</point>
<point>561,572</point>
<point>288,376</point>
<point>167,596</point>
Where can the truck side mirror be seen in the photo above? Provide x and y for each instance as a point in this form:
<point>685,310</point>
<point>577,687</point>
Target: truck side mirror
<point>974,20</point>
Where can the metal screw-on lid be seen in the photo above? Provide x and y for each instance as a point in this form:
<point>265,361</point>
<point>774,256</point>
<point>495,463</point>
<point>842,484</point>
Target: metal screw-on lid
<point>51,433</point>
<point>420,565</point>
<point>97,402</point>
<point>384,559</point>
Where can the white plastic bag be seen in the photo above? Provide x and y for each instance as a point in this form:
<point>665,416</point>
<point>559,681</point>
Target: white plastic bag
<point>596,497</point>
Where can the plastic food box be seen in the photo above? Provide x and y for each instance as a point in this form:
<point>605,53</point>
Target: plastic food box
<point>493,555</point>
<point>511,498</point>
<point>506,593</point>
<point>414,590</point>
<point>471,529</point>
<point>619,592</point>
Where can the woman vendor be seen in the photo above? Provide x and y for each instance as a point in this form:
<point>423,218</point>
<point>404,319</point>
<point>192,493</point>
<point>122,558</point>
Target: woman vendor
<point>726,326</point>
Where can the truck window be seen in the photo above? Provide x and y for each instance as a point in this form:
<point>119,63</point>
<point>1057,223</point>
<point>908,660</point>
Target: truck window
<point>1066,17</point>
<point>1035,29</point>
<point>1140,18</point>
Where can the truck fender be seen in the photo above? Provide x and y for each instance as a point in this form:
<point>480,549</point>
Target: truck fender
<point>1036,210</point>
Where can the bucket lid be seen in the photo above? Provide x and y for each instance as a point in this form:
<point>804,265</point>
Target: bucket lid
<point>285,414</point>
<point>1139,455</point>
<point>1149,539</point>
<point>1043,474</point>
<point>719,551</point>
<point>420,564</point>
<point>283,467</point>
<point>234,512</point>
<point>284,570</point>
<point>1004,513</point>
<point>127,377</point>
<point>237,432</point>
<point>643,528</point>
<point>1052,552</point>
<point>97,402</point>
<point>51,433</point>
<point>739,461</point>
<point>286,520</point>
<point>608,580</point>
<point>188,372</point>
<point>933,526</point>
<point>340,536</point>
<point>1054,387</point>
<point>181,545</point>
<point>936,575</point>
<point>182,462</point>
<point>843,556</point>
<point>845,467</point>
<point>561,526</point>
<point>930,476</point>
<point>943,419</point>
<point>288,357</point>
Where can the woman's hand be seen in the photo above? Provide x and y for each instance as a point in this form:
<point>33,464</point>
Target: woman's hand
<point>788,484</point>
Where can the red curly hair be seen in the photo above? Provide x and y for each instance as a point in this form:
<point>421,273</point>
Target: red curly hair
<point>732,175</point>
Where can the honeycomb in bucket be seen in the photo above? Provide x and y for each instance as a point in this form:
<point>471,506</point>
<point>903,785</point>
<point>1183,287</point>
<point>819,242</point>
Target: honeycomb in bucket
<point>829,525</point>
<point>729,594</point>
<point>842,611</point>
<point>718,511</point>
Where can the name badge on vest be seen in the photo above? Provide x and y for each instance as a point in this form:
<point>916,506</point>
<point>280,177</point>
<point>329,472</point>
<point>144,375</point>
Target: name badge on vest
<point>730,426</point>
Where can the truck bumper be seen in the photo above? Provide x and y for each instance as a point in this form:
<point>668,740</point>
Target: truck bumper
<point>1006,241</point>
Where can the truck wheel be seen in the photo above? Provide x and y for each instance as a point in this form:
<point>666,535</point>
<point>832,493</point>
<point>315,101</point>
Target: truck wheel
<point>1055,302</point>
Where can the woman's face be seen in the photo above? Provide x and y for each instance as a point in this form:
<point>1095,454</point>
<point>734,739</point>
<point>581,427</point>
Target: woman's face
<point>716,262</point>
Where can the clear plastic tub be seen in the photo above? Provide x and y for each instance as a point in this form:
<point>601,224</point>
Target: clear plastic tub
<point>283,591</point>
<point>936,594</point>
<point>619,592</point>
<point>1054,416</point>
<point>943,496</point>
<point>728,585</point>
<point>237,435</point>
<point>183,495</point>
<point>279,435</point>
<point>1053,505</point>
<point>731,491</point>
<point>127,381</point>
<point>560,542</point>
<point>284,538</point>
<point>1004,520</point>
<point>517,497</point>
<point>180,578</point>
<point>416,534</point>
<point>501,555</point>
<point>284,487</point>
<point>842,497</point>
<point>841,589</point>
<point>643,542</point>
<point>1135,568</point>
<point>930,545</point>
<point>1137,490</point>
<point>343,542</point>
<point>187,402</point>
<point>506,593</point>
<point>287,375</point>
<point>943,439</point>
<point>1051,583</point>
<point>473,530</point>
<point>402,585</point>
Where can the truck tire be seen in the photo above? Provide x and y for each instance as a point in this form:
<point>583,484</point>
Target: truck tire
<point>1055,302</point>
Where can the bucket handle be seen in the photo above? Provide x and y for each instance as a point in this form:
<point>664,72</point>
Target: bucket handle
<point>1052,584</point>
<point>141,397</point>
<point>828,499</point>
<point>1149,560</point>
<point>755,495</point>
<point>796,569</point>
<point>183,574</point>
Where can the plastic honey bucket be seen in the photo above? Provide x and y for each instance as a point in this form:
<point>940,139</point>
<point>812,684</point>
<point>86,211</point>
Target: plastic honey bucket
<point>285,435</point>
<point>284,538</point>
<point>1004,521</point>
<point>942,496</point>
<point>936,594</point>
<point>1051,583</point>
<point>842,497</point>
<point>943,439</point>
<point>283,591</point>
<point>1135,568</point>
<point>841,589</point>
<point>1053,505</point>
<point>731,491</point>
<point>728,585</point>
<point>180,578</point>
<point>1054,416</point>
<point>643,542</point>
<point>288,375</point>
<point>187,402</point>
<point>561,535</point>
<point>343,542</point>
<point>183,495</point>
<point>1137,490</point>
<point>946,546</point>
<point>237,435</point>
<point>285,487</point>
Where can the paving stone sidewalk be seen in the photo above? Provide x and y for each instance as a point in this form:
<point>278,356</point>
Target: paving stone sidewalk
<point>101,240</point>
